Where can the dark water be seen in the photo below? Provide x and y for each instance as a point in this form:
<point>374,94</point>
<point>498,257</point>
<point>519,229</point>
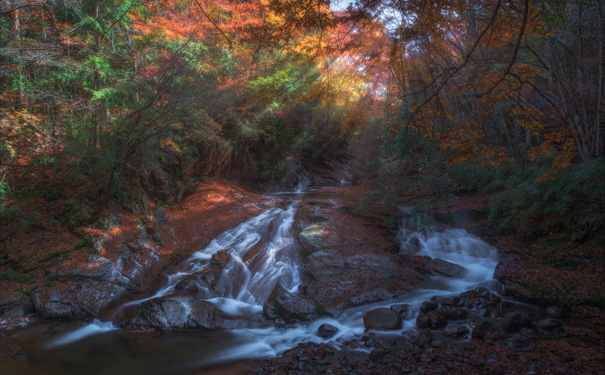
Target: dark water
<point>114,353</point>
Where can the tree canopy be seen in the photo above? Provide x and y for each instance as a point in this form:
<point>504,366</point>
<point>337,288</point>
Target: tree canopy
<point>118,87</point>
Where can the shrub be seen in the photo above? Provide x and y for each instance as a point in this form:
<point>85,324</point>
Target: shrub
<point>571,202</point>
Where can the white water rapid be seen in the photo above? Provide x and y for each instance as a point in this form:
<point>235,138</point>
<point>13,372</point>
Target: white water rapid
<point>263,253</point>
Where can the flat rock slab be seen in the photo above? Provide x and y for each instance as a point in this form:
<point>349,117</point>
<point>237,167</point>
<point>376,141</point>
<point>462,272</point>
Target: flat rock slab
<point>382,318</point>
<point>436,266</point>
<point>174,312</point>
<point>347,255</point>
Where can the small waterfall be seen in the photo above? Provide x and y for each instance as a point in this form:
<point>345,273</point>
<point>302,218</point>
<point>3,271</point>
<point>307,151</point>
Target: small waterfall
<point>261,253</point>
<point>452,245</point>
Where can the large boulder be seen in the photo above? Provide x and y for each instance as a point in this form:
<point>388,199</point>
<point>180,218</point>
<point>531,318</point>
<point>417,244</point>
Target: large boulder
<point>452,301</point>
<point>325,331</point>
<point>453,313</point>
<point>318,236</point>
<point>429,265</point>
<point>382,318</point>
<point>15,305</point>
<point>446,268</point>
<point>432,320</point>
<point>342,281</point>
<point>82,300</point>
<point>96,268</point>
<point>513,321</point>
<point>290,306</point>
<point>175,312</point>
<point>437,320</point>
<point>482,329</point>
<point>428,306</point>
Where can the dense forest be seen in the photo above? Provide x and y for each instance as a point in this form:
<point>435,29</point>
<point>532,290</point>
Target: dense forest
<point>418,102</point>
<point>486,96</point>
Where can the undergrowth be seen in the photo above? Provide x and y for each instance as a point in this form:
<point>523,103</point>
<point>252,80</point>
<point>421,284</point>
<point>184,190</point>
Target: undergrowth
<point>570,203</point>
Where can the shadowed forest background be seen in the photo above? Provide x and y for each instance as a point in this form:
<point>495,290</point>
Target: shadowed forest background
<point>100,100</point>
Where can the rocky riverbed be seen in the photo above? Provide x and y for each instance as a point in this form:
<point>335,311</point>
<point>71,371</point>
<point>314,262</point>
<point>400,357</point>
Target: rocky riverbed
<point>340,289</point>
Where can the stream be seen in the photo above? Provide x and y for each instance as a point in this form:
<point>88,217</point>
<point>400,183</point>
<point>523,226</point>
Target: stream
<point>263,253</point>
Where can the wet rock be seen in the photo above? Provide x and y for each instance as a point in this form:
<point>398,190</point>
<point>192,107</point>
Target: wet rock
<point>437,320</point>
<point>175,312</point>
<point>326,331</point>
<point>428,306</point>
<point>318,236</point>
<point>423,321</point>
<point>220,259</point>
<point>452,301</point>
<point>549,324</point>
<point>81,300</point>
<point>424,338</point>
<point>410,246</point>
<point>290,306</point>
<point>478,292</point>
<point>379,294</point>
<point>446,268</point>
<point>454,313</point>
<point>401,308</point>
<point>482,329</point>
<point>382,318</point>
<point>493,297</point>
<point>141,243</point>
<point>556,312</point>
<point>513,321</point>
<point>188,286</point>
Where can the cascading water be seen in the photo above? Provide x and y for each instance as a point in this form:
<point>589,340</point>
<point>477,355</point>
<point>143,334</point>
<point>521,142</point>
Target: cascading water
<point>456,246</point>
<point>263,253</point>
<point>452,245</point>
<point>246,281</point>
